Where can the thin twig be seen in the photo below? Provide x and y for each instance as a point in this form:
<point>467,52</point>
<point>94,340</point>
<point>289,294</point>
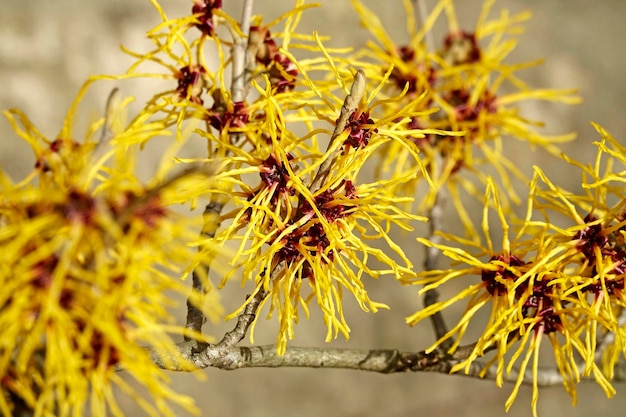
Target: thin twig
<point>195,316</point>
<point>545,377</point>
<point>435,217</point>
<point>422,13</point>
<point>240,52</point>
<point>350,104</point>
<point>111,120</point>
<point>110,116</point>
<point>244,321</point>
<point>213,210</point>
<point>436,223</point>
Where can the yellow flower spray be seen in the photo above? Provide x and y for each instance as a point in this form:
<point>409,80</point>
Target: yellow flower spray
<point>89,254</point>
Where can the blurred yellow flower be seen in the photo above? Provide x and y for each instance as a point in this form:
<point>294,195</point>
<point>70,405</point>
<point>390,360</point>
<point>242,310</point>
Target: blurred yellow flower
<point>89,257</point>
<point>464,88</point>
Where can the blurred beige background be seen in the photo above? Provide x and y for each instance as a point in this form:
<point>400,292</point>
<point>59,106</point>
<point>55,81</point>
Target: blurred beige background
<point>48,48</point>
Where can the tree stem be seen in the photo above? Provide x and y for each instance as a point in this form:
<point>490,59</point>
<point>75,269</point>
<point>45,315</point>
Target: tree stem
<point>213,210</point>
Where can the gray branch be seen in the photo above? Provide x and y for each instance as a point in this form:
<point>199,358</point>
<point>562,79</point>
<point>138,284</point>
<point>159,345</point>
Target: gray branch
<point>436,223</point>
<point>350,105</point>
<point>237,357</point>
<point>384,361</point>
<point>195,316</point>
<point>240,52</point>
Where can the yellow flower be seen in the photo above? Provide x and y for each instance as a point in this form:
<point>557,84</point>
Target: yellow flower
<point>88,254</point>
<point>460,86</point>
<point>565,284</point>
<point>302,238</point>
<point>599,217</point>
<point>298,215</point>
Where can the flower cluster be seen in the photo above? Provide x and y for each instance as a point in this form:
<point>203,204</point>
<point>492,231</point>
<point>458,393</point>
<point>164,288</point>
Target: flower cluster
<point>88,254</point>
<point>565,284</point>
<point>303,224</point>
<point>460,84</point>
